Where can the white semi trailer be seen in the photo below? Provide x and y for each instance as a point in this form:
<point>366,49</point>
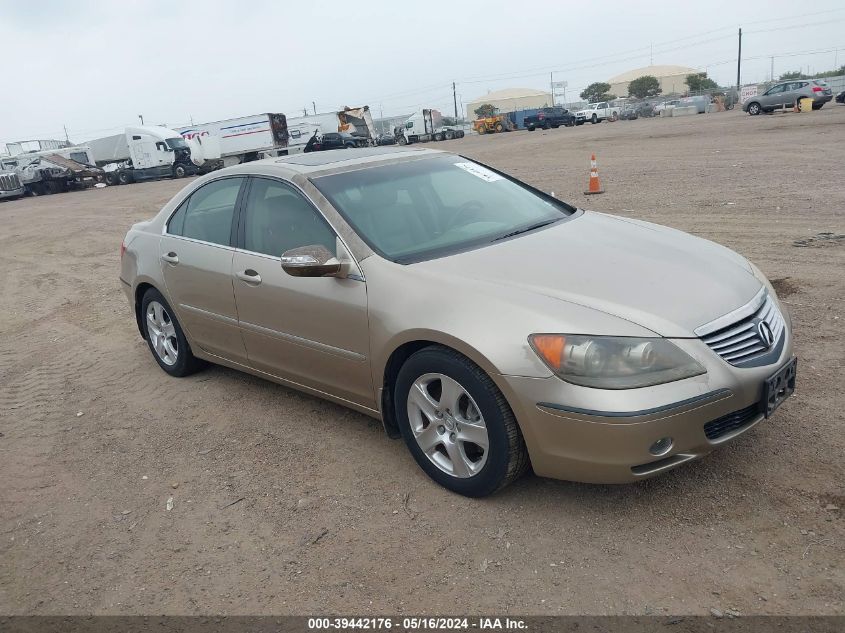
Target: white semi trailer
<point>240,140</point>
<point>142,153</point>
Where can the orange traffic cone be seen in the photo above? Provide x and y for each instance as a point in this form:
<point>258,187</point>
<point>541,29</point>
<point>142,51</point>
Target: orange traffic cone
<point>595,183</point>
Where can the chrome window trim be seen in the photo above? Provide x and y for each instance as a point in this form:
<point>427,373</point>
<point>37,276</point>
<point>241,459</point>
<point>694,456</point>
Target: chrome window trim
<point>736,315</point>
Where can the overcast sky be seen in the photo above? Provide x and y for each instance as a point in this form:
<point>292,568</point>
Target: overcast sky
<point>95,66</point>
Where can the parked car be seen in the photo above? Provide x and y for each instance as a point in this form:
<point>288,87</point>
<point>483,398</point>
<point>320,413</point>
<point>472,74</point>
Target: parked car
<point>840,97</point>
<point>334,140</point>
<point>385,139</point>
<point>629,112</point>
<point>549,118</point>
<point>596,112</point>
<point>700,102</point>
<point>660,107</point>
<point>787,94</point>
<point>424,289</point>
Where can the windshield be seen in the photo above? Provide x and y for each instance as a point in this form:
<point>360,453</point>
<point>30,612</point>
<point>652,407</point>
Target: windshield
<point>176,143</point>
<point>417,210</point>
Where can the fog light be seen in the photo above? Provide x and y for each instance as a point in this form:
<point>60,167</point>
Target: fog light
<point>661,446</point>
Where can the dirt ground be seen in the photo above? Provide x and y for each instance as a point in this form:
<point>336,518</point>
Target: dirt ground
<point>283,503</point>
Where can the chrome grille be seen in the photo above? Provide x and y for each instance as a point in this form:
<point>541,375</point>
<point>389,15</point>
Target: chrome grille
<point>740,340</point>
<point>9,182</point>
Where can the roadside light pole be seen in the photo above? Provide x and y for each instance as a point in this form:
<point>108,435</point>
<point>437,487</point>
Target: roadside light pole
<point>739,62</point>
<point>141,116</point>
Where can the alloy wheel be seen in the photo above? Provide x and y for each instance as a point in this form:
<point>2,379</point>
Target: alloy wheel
<point>162,333</point>
<point>448,425</point>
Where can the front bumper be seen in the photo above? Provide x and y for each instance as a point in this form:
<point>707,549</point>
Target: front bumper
<point>604,436</point>
<point>12,193</point>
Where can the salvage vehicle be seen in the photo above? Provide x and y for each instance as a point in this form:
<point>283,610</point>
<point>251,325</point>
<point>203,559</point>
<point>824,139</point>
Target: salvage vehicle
<point>44,173</point>
<point>549,118</point>
<point>493,124</point>
<point>597,112</point>
<point>788,94</point>
<point>333,140</point>
<point>240,140</point>
<point>145,152</point>
<point>423,126</point>
<point>10,185</point>
<point>425,289</point>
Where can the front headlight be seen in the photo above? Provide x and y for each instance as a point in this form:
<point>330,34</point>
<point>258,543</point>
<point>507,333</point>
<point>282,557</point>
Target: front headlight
<point>613,362</point>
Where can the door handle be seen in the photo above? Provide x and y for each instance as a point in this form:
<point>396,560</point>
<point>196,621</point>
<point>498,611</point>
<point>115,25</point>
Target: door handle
<point>170,258</point>
<point>249,276</point>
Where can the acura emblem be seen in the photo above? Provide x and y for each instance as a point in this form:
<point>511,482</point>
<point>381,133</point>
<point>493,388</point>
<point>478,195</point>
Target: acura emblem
<point>766,334</point>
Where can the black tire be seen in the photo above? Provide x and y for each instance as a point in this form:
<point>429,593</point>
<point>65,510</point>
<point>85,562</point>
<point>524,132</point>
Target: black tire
<point>555,126</point>
<point>754,109</point>
<point>186,363</point>
<point>817,106</point>
<point>438,136</point>
<point>499,127</point>
<point>507,457</point>
<point>449,135</point>
<point>594,119</point>
<point>124,177</point>
<point>530,128</point>
<point>179,171</point>
<point>402,140</point>
<point>111,178</point>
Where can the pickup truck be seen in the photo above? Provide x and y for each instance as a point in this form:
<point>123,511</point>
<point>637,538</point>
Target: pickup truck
<point>549,117</point>
<point>595,112</point>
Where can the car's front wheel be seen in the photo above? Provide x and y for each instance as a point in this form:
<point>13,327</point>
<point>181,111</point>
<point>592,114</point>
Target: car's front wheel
<point>165,337</point>
<point>754,109</point>
<point>457,424</point>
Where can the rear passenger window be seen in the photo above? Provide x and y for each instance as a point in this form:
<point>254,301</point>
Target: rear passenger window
<point>207,215</point>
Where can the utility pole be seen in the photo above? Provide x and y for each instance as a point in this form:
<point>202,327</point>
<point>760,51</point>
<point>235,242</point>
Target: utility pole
<point>455,100</point>
<point>552,86</point>
<point>772,72</point>
<point>66,136</point>
<point>739,63</point>
<point>314,105</point>
<point>141,116</point>
<point>651,56</point>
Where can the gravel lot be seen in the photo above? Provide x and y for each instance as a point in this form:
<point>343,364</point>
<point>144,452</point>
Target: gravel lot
<point>283,503</point>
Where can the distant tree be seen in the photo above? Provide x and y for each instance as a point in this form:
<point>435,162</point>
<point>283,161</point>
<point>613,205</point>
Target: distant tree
<point>797,74</point>
<point>793,74</point>
<point>598,91</point>
<point>645,86</point>
<point>449,120</point>
<point>485,110</point>
<point>699,82</point>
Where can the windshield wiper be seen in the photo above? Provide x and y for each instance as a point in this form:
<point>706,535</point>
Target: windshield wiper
<point>533,227</point>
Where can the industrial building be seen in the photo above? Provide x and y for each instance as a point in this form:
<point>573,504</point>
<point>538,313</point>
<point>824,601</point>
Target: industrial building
<point>673,79</point>
<point>511,100</point>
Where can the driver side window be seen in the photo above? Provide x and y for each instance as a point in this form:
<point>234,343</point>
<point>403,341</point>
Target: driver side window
<point>278,218</point>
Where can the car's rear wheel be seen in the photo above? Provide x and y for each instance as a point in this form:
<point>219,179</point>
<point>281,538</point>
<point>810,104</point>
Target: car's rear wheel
<point>457,424</point>
<point>754,109</point>
<point>165,337</point>
<point>594,119</point>
<point>817,106</point>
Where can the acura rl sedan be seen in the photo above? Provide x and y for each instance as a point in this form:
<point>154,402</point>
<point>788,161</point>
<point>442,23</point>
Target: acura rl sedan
<point>491,326</point>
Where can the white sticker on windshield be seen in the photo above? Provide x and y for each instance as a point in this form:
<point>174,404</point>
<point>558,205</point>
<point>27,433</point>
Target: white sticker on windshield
<point>479,171</point>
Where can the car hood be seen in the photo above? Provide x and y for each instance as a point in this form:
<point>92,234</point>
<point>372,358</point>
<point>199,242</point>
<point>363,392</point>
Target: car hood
<point>665,280</point>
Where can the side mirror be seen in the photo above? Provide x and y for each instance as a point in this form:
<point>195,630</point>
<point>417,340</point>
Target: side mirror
<point>310,261</point>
